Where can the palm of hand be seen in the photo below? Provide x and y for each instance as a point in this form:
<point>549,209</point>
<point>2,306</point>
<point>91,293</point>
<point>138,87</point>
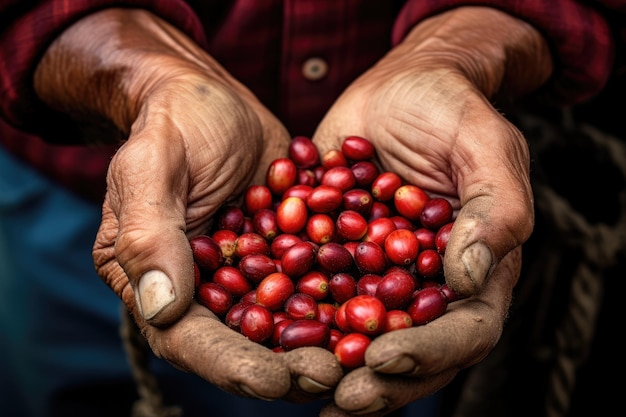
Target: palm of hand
<point>437,131</point>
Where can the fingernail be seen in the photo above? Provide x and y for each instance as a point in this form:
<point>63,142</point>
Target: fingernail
<point>398,365</point>
<point>251,393</point>
<point>309,385</point>
<point>154,292</point>
<point>378,404</point>
<point>477,259</point>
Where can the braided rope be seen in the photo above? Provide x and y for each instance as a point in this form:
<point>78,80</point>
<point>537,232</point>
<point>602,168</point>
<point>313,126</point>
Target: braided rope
<point>150,401</point>
<point>558,301</point>
<point>575,332</point>
<point>600,246</point>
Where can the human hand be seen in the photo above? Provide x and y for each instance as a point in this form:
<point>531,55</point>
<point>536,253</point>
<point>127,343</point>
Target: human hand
<point>410,364</point>
<point>195,138</point>
<point>426,108</point>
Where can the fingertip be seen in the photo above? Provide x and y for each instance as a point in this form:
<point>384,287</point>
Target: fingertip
<point>312,386</point>
<point>316,370</point>
<point>378,404</point>
<point>250,392</point>
<point>400,364</point>
<point>158,300</point>
<point>477,261</point>
<point>467,272</point>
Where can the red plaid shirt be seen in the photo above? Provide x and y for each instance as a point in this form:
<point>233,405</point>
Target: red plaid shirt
<point>268,46</point>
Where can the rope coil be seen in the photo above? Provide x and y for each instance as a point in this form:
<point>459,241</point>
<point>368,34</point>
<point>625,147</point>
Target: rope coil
<point>558,299</point>
<point>150,401</point>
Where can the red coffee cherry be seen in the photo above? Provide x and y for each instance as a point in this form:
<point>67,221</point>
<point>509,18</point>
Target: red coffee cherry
<point>302,333</point>
<point>281,174</point>
<point>273,291</point>
<point>365,314</point>
<point>350,350</point>
<point>303,152</point>
<point>257,323</point>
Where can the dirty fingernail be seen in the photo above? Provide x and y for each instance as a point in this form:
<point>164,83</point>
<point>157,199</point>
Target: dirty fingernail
<point>477,259</point>
<point>378,404</point>
<point>251,393</point>
<point>398,365</point>
<point>309,385</point>
<point>154,292</point>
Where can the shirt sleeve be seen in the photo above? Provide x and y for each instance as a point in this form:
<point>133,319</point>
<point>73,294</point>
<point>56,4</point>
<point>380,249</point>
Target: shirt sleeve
<point>579,36</point>
<point>30,27</point>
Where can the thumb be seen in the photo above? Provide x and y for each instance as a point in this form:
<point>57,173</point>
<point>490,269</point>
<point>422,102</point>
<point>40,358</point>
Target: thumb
<point>141,249</point>
<point>482,234</point>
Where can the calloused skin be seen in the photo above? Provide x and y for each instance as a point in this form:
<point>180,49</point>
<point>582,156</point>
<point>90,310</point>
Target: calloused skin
<point>196,138</point>
<point>428,357</point>
<point>425,108</point>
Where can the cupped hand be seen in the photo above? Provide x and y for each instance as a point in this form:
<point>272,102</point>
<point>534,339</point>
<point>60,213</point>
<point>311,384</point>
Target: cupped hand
<point>427,109</point>
<point>406,365</point>
<point>195,138</point>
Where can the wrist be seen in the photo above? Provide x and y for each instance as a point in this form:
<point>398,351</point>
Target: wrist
<point>501,55</point>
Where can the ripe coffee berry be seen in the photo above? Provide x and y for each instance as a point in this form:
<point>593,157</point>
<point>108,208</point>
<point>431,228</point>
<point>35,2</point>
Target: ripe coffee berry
<point>436,213</point>
<point>324,198</point>
<point>351,225</point>
<point>356,148</point>
<point>365,314</point>
<point>301,306</point>
<point>231,218</point>
<point>257,197</point>
<point>340,177</point>
<point>427,304</point>
<point>291,215</point>
<point>281,175</point>
<point>303,152</point>
<point>302,333</point>
<point>364,173</point>
<point>233,280</point>
<point>215,297</point>
<point>410,200</point>
<point>395,289</point>
<point>274,290</point>
<point>401,246</point>
<point>315,284</point>
<point>429,263</point>
<point>350,350</point>
<point>257,323</point>
<point>385,185</point>
<point>206,252</point>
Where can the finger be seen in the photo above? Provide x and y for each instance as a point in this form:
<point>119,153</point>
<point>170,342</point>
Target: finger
<point>497,211</point>
<point>145,210</point>
<point>365,392</point>
<point>462,336</point>
<point>315,372</point>
<point>199,342</point>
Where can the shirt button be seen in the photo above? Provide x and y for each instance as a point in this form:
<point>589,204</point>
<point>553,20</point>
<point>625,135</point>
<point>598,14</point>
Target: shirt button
<point>314,69</point>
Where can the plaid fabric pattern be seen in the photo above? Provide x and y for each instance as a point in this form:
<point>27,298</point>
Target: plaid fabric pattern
<point>264,44</point>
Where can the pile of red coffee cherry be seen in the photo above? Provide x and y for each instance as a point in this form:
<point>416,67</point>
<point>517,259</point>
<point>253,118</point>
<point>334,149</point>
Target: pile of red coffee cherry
<point>331,252</point>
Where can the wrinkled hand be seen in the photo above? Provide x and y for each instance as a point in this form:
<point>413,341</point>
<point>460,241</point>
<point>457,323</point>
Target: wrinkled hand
<point>164,185</point>
<point>410,364</point>
<point>195,139</point>
<point>426,108</point>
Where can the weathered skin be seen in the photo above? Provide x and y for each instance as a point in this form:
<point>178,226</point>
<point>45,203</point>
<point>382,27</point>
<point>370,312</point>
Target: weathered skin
<point>425,107</point>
